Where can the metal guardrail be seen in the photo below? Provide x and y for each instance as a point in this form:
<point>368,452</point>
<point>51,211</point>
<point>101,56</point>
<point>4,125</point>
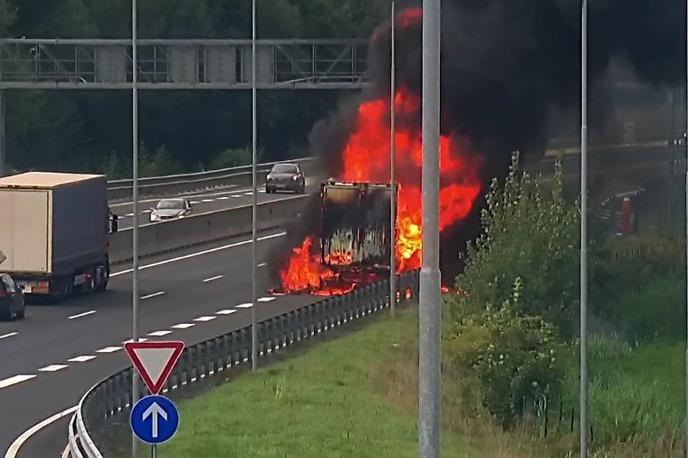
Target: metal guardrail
<point>198,181</point>
<point>112,397</point>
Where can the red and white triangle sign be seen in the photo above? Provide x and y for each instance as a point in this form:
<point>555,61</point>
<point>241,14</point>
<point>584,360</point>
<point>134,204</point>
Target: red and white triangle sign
<point>154,360</point>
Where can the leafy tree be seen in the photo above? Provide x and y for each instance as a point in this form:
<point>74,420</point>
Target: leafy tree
<point>529,233</point>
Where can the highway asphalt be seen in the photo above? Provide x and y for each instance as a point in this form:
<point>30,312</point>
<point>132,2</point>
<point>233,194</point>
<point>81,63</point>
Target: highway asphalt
<point>207,201</point>
<point>51,358</point>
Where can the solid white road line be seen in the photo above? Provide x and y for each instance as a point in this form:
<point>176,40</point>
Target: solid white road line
<point>81,315</point>
<point>203,319</point>
<point>183,326</point>
<point>53,368</point>
<point>247,305</point>
<point>159,333</point>
<point>81,359</point>
<point>150,296</point>
<point>11,334</point>
<point>225,312</point>
<point>213,278</point>
<point>16,379</point>
<point>265,299</point>
<point>26,435</point>
<point>65,452</point>
<point>200,253</point>
<point>108,350</point>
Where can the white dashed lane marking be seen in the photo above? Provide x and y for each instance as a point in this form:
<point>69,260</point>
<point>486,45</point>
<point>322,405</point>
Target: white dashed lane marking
<point>217,277</point>
<point>81,359</point>
<point>223,198</point>
<point>108,350</point>
<point>53,368</point>
<point>207,200</point>
<point>16,379</point>
<point>81,315</point>
<point>247,305</point>
<point>266,299</point>
<point>225,312</point>
<point>262,264</point>
<point>151,296</point>
<point>11,334</point>
<point>203,319</point>
<point>159,333</point>
<point>183,325</point>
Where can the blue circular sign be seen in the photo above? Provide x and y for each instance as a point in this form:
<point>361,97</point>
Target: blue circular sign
<point>154,419</point>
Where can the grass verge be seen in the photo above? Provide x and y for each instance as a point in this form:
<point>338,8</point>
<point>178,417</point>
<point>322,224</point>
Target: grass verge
<point>636,398</point>
<point>335,399</point>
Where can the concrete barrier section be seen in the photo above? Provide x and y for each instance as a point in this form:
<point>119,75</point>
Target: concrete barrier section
<point>157,238</point>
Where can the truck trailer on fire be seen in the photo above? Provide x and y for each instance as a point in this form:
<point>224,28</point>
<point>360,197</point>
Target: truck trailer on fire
<point>54,235</point>
<point>355,226</point>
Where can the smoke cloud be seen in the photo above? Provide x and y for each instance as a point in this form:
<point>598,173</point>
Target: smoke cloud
<point>506,65</point>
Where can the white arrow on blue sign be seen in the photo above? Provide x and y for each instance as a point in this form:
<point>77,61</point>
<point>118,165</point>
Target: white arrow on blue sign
<point>154,419</point>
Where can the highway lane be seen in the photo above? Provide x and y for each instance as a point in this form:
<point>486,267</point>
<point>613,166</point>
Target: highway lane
<point>208,201</point>
<point>189,308</point>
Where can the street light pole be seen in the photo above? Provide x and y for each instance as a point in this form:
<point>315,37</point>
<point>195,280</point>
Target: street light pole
<point>685,418</point>
<point>584,237</point>
<point>392,176</point>
<point>429,383</point>
<point>254,204</point>
<point>135,205</point>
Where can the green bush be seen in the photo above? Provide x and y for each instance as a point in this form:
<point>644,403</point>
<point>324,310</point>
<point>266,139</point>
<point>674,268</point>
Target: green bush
<point>636,393</point>
<point>514,357</point>
<point>637,285</point>
<point>531,233</point>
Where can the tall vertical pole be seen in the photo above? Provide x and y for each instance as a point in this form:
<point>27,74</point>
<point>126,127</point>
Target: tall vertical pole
<point>584,237</point>
<point>254,323</point>
<point>3,143</point>
<point>392,176</point>
<point>430,294</point>
<point>685,419</point>
<point>135,205</point>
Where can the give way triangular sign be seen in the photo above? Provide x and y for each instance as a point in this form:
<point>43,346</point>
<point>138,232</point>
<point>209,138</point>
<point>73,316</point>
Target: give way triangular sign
<point>154,361</point>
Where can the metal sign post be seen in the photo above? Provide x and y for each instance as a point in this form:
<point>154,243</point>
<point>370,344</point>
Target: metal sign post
<point>584,237</point>
<point>392,177</point>
<point>429,382</point>
<point>135,204</point>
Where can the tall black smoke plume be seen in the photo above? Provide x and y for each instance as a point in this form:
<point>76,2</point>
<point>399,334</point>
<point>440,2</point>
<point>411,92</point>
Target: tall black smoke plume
<point>506,64</point>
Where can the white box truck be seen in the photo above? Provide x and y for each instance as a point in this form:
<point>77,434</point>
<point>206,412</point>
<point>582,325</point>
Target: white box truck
<point>54,232</point>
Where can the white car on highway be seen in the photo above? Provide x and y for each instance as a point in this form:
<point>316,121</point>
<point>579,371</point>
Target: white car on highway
<point>170,209</point>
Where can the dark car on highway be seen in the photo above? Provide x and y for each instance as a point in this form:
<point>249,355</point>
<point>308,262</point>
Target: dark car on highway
<point>285,177</point>
<point>11,299</point>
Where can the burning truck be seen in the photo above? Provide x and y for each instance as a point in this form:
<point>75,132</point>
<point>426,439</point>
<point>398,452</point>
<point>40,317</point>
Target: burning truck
<point>356,230</point>
<point>353,245</point>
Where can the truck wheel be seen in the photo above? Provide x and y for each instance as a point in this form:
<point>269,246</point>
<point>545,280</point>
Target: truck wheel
<point>101,278</point>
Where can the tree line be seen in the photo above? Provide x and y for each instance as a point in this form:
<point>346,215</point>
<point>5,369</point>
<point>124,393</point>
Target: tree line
<point>179,131</point>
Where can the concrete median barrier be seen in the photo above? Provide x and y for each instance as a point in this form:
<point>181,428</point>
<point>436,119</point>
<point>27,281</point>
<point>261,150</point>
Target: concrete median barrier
<point>168,236</point>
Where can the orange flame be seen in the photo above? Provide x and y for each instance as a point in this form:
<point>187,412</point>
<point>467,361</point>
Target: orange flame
<point>366,158</point>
